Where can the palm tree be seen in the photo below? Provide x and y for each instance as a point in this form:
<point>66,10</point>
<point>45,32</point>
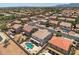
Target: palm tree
<point>72,52</point>
<point>74,22</point>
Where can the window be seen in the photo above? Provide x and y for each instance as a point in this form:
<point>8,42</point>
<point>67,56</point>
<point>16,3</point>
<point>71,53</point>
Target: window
<point>53,53</point>
<point>0,38</point>
<point>34,42</point>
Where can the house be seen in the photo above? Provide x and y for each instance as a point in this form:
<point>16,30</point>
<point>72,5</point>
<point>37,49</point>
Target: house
<point>59,14</point>
<point>17,28</point>
<point>41,36</point>
<point>73,16</point>
<point>66,25</point>
<point>61,18</point>
<point>28,29</point>
<point>47,14</point>
<point>16,22</point>
<point>8,25</point>
<point>33,17</point>
<point>70,19</point>
<point>40,16</point>
<point>60,45</point>
<point>53,17</point>
<point>53,22</point>
<point>46,18</point>
<point>77,26</point>
<point>25,19</point>
<point>42,21</point>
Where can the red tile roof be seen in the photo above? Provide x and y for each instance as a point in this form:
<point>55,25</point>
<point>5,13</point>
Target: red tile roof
<point>61,42</point>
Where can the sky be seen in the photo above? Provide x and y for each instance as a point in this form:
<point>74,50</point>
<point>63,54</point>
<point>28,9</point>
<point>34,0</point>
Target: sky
<point>28,4</point>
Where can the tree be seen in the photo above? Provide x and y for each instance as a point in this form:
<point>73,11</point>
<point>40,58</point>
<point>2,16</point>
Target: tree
<point>6,43</point>
<point>56,10</point>
<point>72,51</point>
<point>73,24</point>
<point>47,24</point>
<point>1,14</point>
<point>77,45</point>
<point>77,31</point>
<point>59,34</point>
<point>77,20</point>
<point>3,27</point>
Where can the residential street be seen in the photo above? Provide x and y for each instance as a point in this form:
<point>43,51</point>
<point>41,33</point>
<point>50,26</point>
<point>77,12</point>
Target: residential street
<point>53,31</point>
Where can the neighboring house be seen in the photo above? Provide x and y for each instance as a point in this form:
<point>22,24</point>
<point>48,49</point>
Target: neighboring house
<point>47,17</point>
<point>59,15</point>
<point>62,18</point>
<point>8,25</point>
<point>28,29</point>
<point>25,19</point>
<point>16,22</point>
<point>53,22</point>
<point>73,16</point>
<point>66,25</point>
<point>77,26</point>
<point>70,19</point>
<point>17,28</point>
<point>66,15</point>
<point>41,16</point>
<point>47,14</point>
<point>41,36</point>
<point>33,17</point>
<point>42,21</point>
<point>60,45</point>
<point>53,17</point>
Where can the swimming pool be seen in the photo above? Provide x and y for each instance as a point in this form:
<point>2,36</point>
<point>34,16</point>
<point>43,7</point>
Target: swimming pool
<point>29,45</point>
<point>65,29</point>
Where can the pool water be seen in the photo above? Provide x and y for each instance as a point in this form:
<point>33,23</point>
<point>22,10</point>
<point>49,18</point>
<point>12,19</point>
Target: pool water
<point>65,30</point>
<point>29,45</point>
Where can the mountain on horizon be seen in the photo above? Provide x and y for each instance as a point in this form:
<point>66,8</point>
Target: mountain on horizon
<point>68,5</point>
<point>57,5</point>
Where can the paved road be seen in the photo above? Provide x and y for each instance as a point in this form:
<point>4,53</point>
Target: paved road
<point>53,31</point>
<point>65,35</point>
